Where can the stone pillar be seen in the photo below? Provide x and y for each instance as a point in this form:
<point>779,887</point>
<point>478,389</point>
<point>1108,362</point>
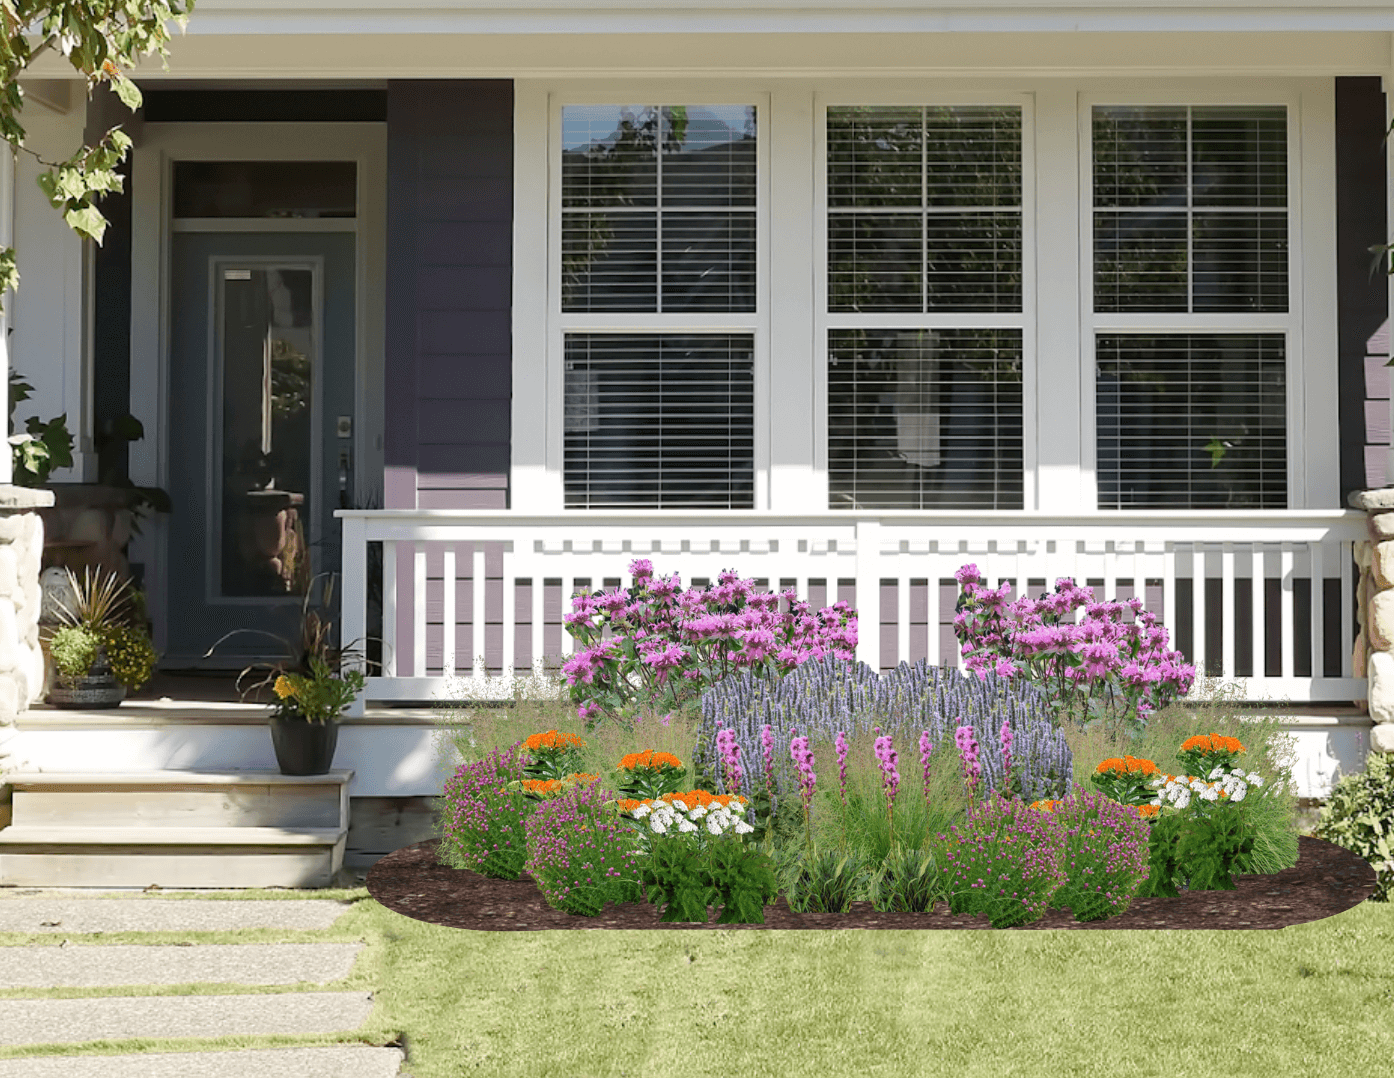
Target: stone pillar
<point>1375,607</point>
<point>21,660</point>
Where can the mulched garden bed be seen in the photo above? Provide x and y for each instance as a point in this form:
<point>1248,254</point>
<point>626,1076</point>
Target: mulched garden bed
<point>1326,880</point>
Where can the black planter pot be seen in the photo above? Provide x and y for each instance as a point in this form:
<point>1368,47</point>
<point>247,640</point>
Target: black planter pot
<point>303,747</point>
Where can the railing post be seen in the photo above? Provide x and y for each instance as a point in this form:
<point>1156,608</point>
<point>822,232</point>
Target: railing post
<point>868,592</point>
<point>353,594</point>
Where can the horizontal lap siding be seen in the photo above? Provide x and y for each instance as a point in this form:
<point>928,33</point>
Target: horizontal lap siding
<point>1362,296</point>
<point>449,280</point>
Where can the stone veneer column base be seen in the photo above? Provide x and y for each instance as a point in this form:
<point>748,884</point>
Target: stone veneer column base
<point>21,658</point>
<point>1375,606</point>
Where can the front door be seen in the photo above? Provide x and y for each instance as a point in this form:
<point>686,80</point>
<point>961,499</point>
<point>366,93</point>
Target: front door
<point>261,416</point>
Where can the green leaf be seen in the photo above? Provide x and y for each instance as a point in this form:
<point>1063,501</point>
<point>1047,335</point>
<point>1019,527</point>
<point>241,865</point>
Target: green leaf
<point>127,91</point>
<point>87,221</point>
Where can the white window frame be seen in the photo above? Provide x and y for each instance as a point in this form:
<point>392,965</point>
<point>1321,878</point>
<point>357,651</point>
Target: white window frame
<point>1025,319</point>
<point>1308,326</point>
<point>1059,466</point>
<point>560,323</point>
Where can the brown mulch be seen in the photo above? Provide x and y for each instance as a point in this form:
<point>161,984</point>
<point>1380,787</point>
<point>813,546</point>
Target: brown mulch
<point>1326,880</point>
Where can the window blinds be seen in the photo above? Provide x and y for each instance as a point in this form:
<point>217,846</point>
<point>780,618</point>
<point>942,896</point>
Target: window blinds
<point>925,419</point>
<point>1192,420</point>
<point>1190,209</point>
<point>659,420</point>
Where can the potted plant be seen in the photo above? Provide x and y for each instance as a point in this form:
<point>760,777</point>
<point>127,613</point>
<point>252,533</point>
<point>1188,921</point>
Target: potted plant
<point>312,686</point>
<point>102,650</point>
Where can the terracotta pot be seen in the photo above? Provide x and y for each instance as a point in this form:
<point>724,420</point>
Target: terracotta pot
<point>303,747</point>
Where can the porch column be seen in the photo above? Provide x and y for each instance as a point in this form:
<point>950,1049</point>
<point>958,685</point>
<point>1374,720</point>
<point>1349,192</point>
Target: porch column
<point>21,548</point>
<point>1375,609</point>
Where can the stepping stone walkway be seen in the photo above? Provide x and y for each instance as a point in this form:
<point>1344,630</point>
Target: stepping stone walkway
<point>345,1062</point>
<point>84,963</point>
<point>95,965</point>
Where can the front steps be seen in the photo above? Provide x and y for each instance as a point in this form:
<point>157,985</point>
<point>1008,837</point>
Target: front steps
<point>175,829</point>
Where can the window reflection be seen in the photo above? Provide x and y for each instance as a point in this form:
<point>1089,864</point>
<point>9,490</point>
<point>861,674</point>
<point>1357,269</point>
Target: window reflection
<point>268,361</point>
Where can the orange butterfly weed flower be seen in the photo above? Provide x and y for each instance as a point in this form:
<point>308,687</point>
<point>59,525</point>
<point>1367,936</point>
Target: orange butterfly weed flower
<point>649,758</point>
<point>582,776</point>
<point>629,804</point>
<point>1212,743</point>
<point>1127,765</point>
<point>1147,811</point>
<point>552,739</point>
<point>541,786</point>
<point>1044,806</point>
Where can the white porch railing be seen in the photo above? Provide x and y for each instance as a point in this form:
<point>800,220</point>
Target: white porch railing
<point>1284,639</point>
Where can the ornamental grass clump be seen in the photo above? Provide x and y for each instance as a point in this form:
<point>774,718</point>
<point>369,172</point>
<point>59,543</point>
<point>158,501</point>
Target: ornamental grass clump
<point>484,809</point>
<point>1005,862</point>
<point>580,853</point>
<point>830,695</point>
<point>1104,855</point>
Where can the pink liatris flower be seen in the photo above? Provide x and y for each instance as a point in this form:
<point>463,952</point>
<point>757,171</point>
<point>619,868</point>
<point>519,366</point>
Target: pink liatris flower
<point>730,753</point>
<point>968,750</point>
<point>803,760</point>
<point>925,749</point>
<point>767,743</point>
<point>887,759</point>
<point>840,743</point>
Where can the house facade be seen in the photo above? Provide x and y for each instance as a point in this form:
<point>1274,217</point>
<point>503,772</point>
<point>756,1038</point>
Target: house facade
<point>475,304</point>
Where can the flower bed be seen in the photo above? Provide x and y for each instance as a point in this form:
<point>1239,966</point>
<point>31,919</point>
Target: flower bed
<point>966,824</point>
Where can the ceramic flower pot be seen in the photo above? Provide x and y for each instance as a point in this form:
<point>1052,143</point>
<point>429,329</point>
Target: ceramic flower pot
<point>303,747</point>
<point>98,689</point>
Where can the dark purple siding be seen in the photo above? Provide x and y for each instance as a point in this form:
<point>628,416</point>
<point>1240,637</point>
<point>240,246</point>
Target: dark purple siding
<point>449,284</point>
<point>1362,302</point>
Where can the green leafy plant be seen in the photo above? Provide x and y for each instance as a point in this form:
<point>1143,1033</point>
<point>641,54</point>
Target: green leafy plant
<point>74,649</point>
<point>907,881</point>
<point>824,880</point>
<point>1199,852</point>
<point>319,696</point>
<point>44,445</point>
<point>1359,816</point>
<point>104,608</point>
<point>685,879</point>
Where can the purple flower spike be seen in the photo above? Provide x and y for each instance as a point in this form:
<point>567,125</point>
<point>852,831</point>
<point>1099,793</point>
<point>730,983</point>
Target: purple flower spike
<point>925,749</point>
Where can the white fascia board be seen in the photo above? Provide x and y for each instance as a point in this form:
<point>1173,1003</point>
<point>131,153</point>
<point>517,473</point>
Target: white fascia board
<point>774,56</point>
<point>796,16</point>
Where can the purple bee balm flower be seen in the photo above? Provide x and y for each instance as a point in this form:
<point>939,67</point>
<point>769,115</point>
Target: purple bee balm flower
<point>640,569</point>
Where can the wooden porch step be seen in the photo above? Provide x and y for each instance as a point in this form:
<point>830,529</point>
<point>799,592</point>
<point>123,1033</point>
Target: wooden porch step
<point>175,828</point>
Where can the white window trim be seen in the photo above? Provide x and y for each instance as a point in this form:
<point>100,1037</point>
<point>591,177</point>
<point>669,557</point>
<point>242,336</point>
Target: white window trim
<point>1025,320</point>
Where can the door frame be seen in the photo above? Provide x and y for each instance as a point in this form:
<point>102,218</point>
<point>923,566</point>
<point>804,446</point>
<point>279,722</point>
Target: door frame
<point>152,227</point>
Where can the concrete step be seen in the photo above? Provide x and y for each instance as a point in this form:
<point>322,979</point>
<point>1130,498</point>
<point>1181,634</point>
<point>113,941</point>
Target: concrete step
<point>180,798</point>
<point>175,829</point>
<point>66,915</point>
<point>118,1018</point>
<point>346,1061</point>
<point>96,965</point>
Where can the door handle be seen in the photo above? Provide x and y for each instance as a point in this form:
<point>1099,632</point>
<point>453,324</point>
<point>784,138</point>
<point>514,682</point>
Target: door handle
<point>345,468</point>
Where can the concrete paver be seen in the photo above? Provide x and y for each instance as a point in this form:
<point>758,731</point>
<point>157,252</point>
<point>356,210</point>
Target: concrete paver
<point>68,916</point>
<point>337,1062</point>
<point>97,965</point>
<point>64,1021</point>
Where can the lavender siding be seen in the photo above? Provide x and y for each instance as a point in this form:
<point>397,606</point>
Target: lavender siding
<point>1362,297</point>
<point>449,281</point>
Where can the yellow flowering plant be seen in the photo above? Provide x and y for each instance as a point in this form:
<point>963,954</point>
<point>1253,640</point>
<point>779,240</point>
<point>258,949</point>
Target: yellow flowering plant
<point>320,696</point>
<point>103,629</point>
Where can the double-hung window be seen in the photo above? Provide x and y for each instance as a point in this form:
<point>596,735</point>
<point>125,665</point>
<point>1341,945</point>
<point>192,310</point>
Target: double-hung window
<point>659,301</point>
<point>1191,326</point>
<point>925,306</point>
